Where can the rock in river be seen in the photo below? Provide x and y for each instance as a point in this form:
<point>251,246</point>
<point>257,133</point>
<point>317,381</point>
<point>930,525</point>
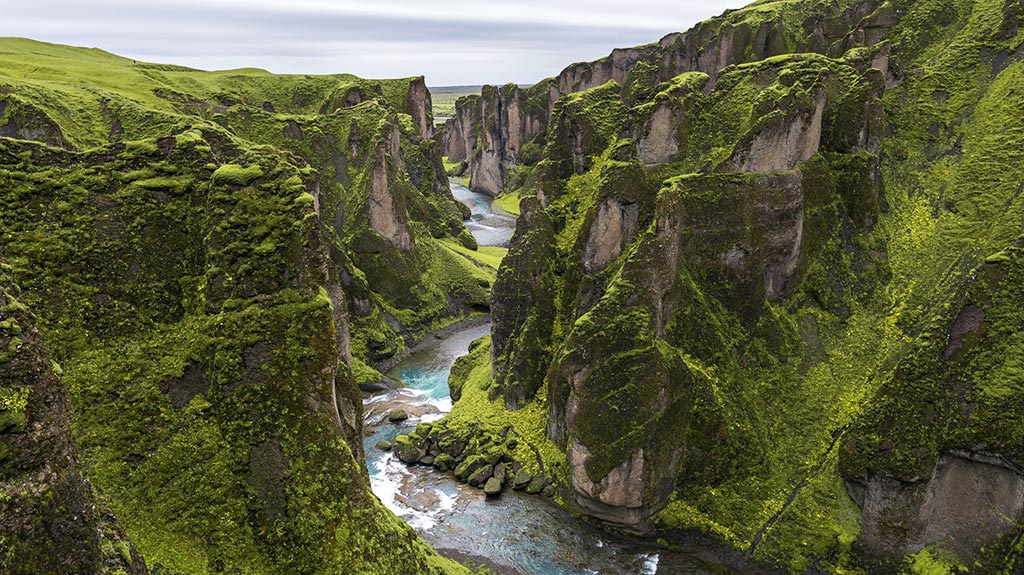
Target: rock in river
<point>492,487</point>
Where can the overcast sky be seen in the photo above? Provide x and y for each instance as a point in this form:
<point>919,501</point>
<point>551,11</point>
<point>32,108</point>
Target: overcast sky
<point>449,41</point>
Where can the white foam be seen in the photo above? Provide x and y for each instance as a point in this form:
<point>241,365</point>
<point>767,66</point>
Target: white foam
<point>387,486</point>
<point>446,503</point>
<point>650,566</point>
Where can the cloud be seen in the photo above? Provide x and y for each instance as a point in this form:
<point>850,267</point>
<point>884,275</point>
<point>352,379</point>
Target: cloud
<point>451,42</point>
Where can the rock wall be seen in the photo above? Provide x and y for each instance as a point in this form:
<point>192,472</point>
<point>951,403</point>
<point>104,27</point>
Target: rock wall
<point>783,288</point>
<point>420,107</point>
<point>388,215</point>
<point>51,519</point>
<point>212,291</point>
<point>489,131</point>
<point>710,47</point>
<point>754,308</point>
<point>969,501</point>
<point>522,305</point>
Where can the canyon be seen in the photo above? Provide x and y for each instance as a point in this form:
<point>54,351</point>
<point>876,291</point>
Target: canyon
<point>760,301</point>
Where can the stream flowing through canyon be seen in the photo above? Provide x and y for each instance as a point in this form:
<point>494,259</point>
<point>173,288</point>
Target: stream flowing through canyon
<point>515,533</point>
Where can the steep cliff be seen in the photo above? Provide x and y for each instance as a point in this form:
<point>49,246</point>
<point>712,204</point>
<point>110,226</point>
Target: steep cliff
<point>496,131</point>
<point>51,519</point>
<point>750,297</point>
<point>492,143</point>
<point>200,250</point>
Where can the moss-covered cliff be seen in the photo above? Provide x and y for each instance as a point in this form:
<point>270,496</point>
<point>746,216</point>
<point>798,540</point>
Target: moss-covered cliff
<point>197,249</point>
<point>51,519</point>
<point>754,252</point>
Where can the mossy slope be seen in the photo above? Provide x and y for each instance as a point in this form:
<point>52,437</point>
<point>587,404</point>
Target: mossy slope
<point>51,519</point>
<point>194,269</point>
<point>746,266</point>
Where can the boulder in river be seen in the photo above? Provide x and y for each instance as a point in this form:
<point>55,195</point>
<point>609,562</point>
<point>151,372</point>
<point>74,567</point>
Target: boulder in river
<point>492,487</point>
<point>444,462</point>
<point>397,415</point>
<point>469,467</point>
<point>521,480</point>
<point>373,386</point>
<point>535,485</point>
<point>407,450</point>
<point>383,445</point>
<point>481,475</point>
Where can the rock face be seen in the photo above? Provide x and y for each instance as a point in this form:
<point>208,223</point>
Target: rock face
<point>490,130</point>
<point>202,296</point>
<point>26,121</point>
<point>420,107</point>
<point>522,307</point>
<point>780,144</point>
<point>387,212</point>
<point>612,230</point>
<point>51,519</point>
<point>661,140</point>
<point>491,140</point>
<point>968,502</point>
<point>583,124</point>
<point>747,236</point>
<point>618,497</point>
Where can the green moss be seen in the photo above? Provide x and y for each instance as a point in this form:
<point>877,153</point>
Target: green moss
<point>235,175</point>
<point>363,373</point>
<point>13,401</point>
<point>195,335</point>
<point>474,405</point>
<point>931,561</point>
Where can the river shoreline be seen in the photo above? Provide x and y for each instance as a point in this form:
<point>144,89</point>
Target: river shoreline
<point>477,561</point>
<point>514,533</point>
<point>431,339</point>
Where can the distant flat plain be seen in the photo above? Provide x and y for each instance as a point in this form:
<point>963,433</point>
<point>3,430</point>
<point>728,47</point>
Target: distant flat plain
<point>444,97</point>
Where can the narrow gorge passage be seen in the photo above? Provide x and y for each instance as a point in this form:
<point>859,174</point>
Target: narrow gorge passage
<point>516,533</point>
<point>489,224</point>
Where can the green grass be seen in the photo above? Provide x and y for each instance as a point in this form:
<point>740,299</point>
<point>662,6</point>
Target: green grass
<point>489,256</point>
<point>83,90</point>
<point>528,422</point>
<point>509,202</point>
<point>443,99</point>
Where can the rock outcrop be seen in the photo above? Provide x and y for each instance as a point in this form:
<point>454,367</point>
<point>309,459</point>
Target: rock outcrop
<point>418,106</point>
<point>213,289</point>
<point>51,519</point>
<point>614,228</point>
<point>523,307</point>
<point>969,501</point>
<point>491,143</point>
<point>388,215</point>
<point>770,288</point>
